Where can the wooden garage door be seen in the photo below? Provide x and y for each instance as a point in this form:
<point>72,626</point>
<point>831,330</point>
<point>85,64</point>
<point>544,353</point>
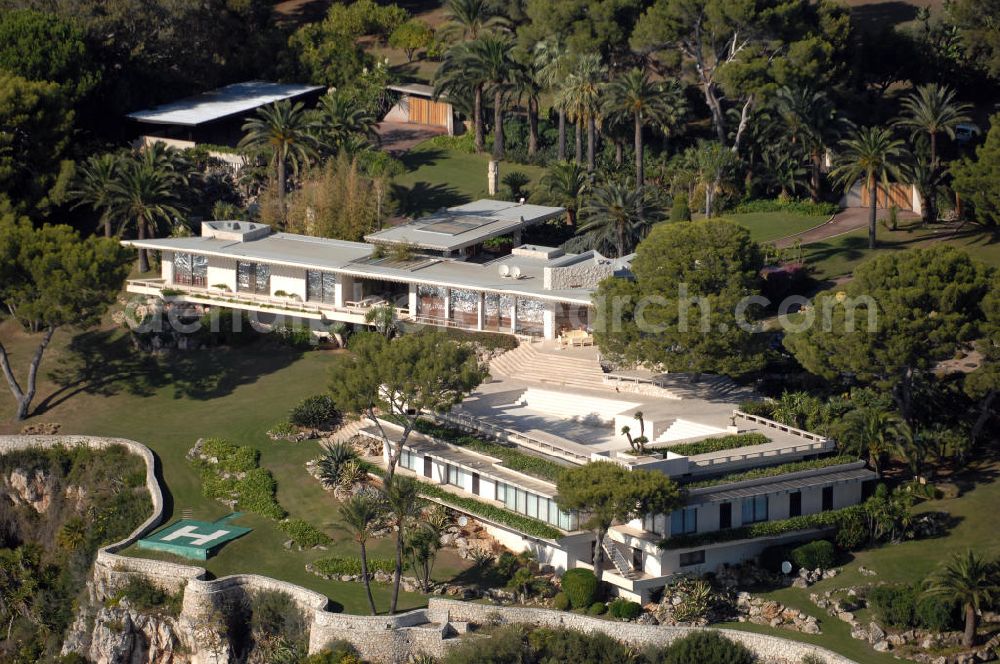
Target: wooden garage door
<point>898,195</point>
<point>429,112</point>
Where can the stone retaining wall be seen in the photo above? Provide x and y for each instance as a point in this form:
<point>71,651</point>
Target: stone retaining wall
<point>377,638</point>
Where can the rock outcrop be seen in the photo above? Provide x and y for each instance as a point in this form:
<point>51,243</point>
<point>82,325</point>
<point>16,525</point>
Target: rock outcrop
<point>124,635</point>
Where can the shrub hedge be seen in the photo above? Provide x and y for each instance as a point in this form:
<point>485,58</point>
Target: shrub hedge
<point>831,519</point>
<point>623,609</point>
<point>905,607</point>
<point>254,492</point>
<point>597,609</point>
<point>815,555</point>
<point>580,586</point>
<point>560,602</point>
<point>303,533</point>
<point>729,442</point>
<point>777,205</point>
<point>525,524</point>
<point>317,411</point>
<point>340,566</point>
<point>771,471</point>
<point>511,457</point>
<point>705,647</point>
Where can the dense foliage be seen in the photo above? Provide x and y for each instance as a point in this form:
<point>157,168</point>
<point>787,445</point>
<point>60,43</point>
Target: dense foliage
<point>580,587</point>
<point>771,471</point>
<point>317,411</point>
<point>235,477</point>
<point>339,566</point>
<point>732,441</point>
<point>819,554</point>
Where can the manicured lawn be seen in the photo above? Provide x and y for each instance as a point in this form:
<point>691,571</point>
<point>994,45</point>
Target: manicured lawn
<point>95,384</point>
<point>839,256</point>
<point>909,562</point>
<point>437,178</point>
<point>771,226</point>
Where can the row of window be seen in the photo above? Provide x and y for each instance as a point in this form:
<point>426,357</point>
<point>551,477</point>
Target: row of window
<point>535,506</point>
<point>752,510</point>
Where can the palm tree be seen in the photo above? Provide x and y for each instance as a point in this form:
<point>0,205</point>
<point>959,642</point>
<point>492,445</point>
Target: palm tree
<point>92,186</point>
<point>554,64</point>
<point>783,169</point>
<point>528,88</point>
<point>457,79</point>
<point>932,110</point>
<point>145,194</point>
<point>360,514</point>
<point>970,581</point>
<point>565,184</point>
<point>714,162</point>
<point>402,500</point>
<point>871,433</point>
<point>491,61</point>
<point>341,121</point>
<point>471,18</point>
<point>285,132</point>
<point>870,155</point>
<point>810,121</point>
<point>581,95</point>
<point>616,218</point>
<point>647,102</point>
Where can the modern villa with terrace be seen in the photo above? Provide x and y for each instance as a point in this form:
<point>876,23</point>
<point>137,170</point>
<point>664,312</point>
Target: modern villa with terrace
<point>433,271</point>
<point>549,404</point>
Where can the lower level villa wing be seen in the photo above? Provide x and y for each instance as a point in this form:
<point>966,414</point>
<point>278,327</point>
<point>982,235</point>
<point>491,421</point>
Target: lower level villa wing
<point>534,291</point>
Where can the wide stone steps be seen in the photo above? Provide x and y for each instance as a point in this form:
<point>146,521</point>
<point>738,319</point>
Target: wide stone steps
<point>577,406</point>
<point>684,429</point>
<point>527,364</point>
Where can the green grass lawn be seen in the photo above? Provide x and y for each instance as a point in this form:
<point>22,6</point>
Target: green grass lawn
<point>94,384</point>
<point>437,177</point>
<point>840,255</point>
<point>771,226</point>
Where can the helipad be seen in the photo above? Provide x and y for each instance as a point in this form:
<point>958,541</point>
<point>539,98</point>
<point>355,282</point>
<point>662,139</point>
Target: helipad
<point>194,539</point>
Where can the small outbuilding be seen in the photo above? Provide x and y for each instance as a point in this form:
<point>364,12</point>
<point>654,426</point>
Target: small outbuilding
<point>417,105</point>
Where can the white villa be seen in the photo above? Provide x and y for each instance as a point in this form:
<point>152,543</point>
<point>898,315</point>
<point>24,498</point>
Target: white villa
<point>433,270</point>
<point>550,398</point>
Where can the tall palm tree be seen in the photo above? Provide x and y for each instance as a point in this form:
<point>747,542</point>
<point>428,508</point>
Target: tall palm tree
<point>581,95</point>
<point>491,61</point>
<point>401,495</point>
<point>554,64</point>
<point>286,133</point>
<point>871,433</point>
<point>970,581</point>
<point>527,86</point>
<point>647,102</point>
<point>146,195</point>
<point>809,119</point>
<point>340,121</point>
<point>92,186</point>
<point>565,184</point>
<point>360,514</point>
<point>457,79</point>
<point>616,218</point>
<point>468,19</point>
<point>932,110</point>
<point>869,155</point>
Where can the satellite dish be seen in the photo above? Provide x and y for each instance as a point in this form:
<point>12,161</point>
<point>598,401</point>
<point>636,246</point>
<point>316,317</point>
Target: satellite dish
<point>786,567</point>
<point>515,272</point>
<point>504,271</point>
<point>463,521</point>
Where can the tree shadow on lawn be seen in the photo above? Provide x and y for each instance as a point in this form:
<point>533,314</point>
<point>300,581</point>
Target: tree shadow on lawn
<point>414,159</point>
<point>104,363</point>
<point>424,197</point>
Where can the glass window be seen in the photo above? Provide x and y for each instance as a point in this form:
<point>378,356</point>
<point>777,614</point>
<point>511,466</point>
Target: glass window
<point>532,506</point>
<point>754,509</point>
<point>692,558</point>
<point>683,522</point>
<point>501,491</point>
<point>321,286</point>
<point>521,501</point>
<point>263,278</point>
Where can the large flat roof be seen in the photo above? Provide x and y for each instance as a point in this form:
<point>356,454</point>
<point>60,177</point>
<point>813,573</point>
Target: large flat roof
<point>466,225</point>
<point>223,102</point>
<point>354,258</point>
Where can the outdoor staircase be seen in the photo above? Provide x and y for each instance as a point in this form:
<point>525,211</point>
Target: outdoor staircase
<point>685,429</point>
<point>528,364</point>
<point>576,407</point>
<point>709,387</point>
<point>346,432</point>
<point>618,559</point>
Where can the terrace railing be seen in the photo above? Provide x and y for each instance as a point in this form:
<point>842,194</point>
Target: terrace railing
<point>472,423</point>
<point>784,428</point>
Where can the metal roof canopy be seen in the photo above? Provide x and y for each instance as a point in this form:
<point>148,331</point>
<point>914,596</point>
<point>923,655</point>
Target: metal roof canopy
<point>221,103</point>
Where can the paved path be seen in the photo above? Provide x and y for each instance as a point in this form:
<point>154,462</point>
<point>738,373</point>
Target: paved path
<point>398,137</point>
<point>845,221</point>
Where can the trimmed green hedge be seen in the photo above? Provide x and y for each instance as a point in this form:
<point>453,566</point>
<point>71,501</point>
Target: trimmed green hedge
<point>777,205</point>
<point>339,566</point>
<point>524,524</point>
<point>486,340</point>
<point>253,493</point>
<point>730,442</point>
<point>771,471</point>
<point>829,519</point>
<point>303,533</point>
<point>511,457</point>
<point>580,586</point>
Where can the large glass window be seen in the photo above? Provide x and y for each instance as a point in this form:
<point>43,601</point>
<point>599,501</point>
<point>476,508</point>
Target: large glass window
<point>321,286</point>
<point>190,269</point>
<point>535,506</point>
<point>530,316</point>
<point>253,278</point>
<point>754,509</point>
<point>684,522</point>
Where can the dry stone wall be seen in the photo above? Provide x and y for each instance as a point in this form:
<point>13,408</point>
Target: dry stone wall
<point>378,638</point>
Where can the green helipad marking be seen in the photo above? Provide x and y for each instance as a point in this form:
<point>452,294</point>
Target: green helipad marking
<point>194,539</point>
